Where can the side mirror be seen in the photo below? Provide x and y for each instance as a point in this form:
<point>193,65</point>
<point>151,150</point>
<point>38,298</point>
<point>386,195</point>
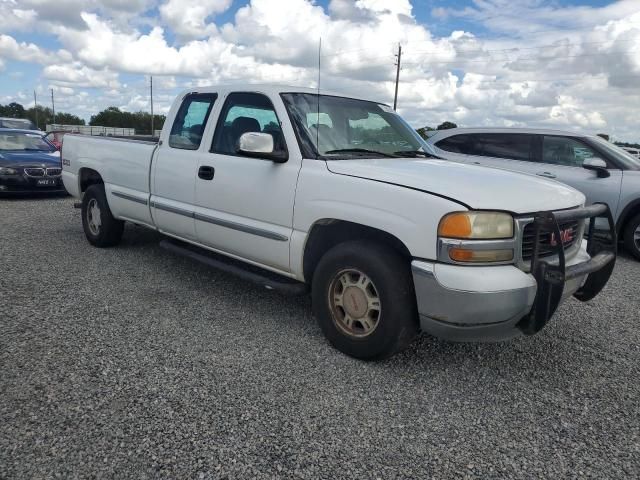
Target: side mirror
<point>597,165</point>
<point>260,145</point>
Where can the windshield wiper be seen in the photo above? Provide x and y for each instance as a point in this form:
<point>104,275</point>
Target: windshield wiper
<point>415,153</point>
<point>360,150</point>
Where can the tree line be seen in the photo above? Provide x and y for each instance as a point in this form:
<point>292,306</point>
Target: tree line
<point>109,117</point>
<point>41,116</point>
<point>422,131</point>
<point>141,121</point>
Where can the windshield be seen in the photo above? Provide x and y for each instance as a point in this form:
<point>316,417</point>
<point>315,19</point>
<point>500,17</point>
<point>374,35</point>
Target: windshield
<point>24,141</point>
<point>17,123</point>
<point>622,156</point>
<point>345,128</point>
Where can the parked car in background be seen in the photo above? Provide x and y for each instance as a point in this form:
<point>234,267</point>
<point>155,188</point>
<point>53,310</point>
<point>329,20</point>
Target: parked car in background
<point>28,163</point>
<point>338,195</point>
<point>601,170</point>
<point>55,138</point>
<point>19,123</point>
<point>633,151</point>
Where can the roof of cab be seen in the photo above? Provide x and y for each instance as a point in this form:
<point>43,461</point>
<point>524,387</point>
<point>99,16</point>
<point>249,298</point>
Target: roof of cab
<point>268,89</point>
<point>538,131</point>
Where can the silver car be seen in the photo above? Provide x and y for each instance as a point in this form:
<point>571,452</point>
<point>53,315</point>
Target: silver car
<point>603,172</point>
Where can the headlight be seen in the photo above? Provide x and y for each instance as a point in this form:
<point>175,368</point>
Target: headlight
<point>476,225</point>
<point>8,171</point>
<point>476,237</point>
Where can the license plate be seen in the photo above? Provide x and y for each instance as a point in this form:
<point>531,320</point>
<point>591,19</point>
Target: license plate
<point>46,182</point>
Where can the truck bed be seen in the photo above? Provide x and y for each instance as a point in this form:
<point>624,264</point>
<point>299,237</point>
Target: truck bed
<point>123,163</point>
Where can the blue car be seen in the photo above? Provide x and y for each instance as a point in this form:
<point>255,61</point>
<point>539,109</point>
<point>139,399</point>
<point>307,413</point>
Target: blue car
<point>28,163</point>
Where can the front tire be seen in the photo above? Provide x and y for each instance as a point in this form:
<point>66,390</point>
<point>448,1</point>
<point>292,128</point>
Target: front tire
<point>100,227</point>
<point>631,236</point>
<point>364,301</point>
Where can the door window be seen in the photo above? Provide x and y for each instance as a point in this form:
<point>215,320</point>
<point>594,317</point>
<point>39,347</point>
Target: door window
<point>188,127</point>
<point>512,146</point>
<point>458,144</point>
<point>243,113</point>
<point>565,151</point>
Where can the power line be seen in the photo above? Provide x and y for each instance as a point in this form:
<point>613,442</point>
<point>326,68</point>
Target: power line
<point>517,49</point>
<point>554,57</point>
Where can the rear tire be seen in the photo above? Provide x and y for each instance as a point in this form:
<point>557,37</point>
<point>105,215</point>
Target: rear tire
<point>631,236</point>
<point>100,227</point>
<point>364,300</point>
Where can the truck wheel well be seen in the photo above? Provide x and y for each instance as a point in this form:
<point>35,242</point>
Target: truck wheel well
<point>628,213</point>
<point>327,233</point>
<point>89,177</point>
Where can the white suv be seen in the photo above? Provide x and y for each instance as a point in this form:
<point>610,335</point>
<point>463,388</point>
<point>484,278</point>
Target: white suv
<point>602,171</point>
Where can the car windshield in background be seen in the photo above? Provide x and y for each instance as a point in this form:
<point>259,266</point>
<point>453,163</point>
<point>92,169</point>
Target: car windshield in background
<point>345,128</point>
<point>17,123</point>
<point>21,141</point>
<point>618,153</point>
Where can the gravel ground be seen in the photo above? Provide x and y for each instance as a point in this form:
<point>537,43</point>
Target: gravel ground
<point>132,362</point>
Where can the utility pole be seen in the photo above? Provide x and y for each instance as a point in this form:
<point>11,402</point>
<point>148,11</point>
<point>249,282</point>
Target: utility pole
<point>53,107</point>
<point>35,107</point>
<point>151,87</point>
<point>399,56</point>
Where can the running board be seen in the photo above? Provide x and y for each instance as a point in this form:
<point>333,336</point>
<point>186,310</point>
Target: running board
<point>257,275</point>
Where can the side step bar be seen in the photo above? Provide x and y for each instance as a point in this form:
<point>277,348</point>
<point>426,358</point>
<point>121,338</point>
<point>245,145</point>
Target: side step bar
<point>259,276</point>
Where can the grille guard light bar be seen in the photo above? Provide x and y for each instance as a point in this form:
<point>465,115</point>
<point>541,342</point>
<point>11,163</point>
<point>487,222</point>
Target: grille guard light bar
<point>551,278</point>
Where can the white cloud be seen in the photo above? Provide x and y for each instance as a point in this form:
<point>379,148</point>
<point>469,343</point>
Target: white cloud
<point>190,18</point>
<point>568,66</point>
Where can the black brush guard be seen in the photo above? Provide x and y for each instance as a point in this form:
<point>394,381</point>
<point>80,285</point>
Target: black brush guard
<point>551,277</point>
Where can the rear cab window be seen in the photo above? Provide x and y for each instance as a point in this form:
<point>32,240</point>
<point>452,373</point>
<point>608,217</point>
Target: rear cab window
<point>191,120</point>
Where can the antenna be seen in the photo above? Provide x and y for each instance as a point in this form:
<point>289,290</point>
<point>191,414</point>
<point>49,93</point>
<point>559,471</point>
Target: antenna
<point>399,56</point>
<point>318,111</point>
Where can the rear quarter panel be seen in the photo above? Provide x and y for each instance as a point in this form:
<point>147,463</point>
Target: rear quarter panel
<point>122,164</point>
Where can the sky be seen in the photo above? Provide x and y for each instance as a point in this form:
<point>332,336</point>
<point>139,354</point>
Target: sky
<point>566,64</point>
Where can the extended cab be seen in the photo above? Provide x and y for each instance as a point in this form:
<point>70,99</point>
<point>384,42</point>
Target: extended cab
<point>338,194</point>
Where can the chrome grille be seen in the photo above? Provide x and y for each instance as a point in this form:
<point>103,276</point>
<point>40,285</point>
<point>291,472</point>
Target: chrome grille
<point>545,247</point>
<point>34,172</point>
<point>54,172</point>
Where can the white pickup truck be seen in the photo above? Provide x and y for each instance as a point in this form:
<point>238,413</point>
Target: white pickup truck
<point>338,195</point>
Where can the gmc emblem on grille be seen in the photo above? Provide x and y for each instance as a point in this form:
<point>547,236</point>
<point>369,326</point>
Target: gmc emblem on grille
<point>566,236</point>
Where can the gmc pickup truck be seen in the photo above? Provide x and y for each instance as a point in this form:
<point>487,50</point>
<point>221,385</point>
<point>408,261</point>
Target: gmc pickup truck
<point>338,195</point>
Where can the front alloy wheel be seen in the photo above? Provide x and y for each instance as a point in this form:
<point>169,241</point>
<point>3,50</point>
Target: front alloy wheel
<point>364,301</point>
<point>354,302</point>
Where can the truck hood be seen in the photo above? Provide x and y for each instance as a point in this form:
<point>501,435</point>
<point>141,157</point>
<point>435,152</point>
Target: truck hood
<point>480,188</point>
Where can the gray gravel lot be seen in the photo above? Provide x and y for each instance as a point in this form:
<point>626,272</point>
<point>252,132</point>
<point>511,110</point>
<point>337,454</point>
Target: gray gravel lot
<point>132,362</point>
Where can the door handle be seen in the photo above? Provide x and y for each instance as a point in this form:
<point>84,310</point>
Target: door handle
<point>546,174</point>
<point>206,173</point>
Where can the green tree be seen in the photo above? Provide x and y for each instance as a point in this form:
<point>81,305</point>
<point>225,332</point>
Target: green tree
<point>422,131</point>
<point>446,126</point>
<point>114,117</point>
<point>14,110</point>
<point>43,115</point>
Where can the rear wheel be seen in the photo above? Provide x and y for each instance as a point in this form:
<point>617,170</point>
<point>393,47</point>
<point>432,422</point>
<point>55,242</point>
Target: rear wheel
<point>631,236</point>
<point>100,227</point>
<point>364,301</point>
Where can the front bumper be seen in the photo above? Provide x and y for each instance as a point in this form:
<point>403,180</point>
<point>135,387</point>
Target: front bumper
<point>21,184</point>
<point>490,303</point>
